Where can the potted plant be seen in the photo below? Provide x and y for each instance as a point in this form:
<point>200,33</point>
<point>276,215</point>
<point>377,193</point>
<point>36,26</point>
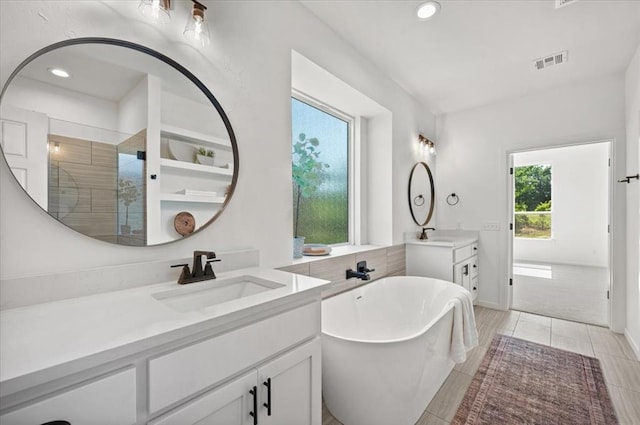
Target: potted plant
<point>205,156</point>
<point>127,194</point>
<point>308,172</point>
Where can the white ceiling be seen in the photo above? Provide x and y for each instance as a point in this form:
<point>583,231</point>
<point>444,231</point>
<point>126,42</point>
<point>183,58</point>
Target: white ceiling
<point>476,52</point>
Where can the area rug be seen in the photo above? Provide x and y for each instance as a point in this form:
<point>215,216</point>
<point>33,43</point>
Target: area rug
<point>521,382</point>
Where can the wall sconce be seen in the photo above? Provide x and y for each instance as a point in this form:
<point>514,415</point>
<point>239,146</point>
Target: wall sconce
<point>427,144</point>
<point>197,29</point>
<point>156,10</point>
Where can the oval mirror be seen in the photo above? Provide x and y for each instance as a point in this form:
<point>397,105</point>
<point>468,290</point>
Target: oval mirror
<point>118,141</point>
<point>421,194</point>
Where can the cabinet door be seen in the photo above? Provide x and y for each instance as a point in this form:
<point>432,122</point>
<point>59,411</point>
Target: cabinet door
<point>462,274</point>
<point>230,404</point>
<point>110,400</point>
<point>290,387</point>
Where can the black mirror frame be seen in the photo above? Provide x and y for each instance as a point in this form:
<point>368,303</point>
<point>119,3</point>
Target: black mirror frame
<point>184,71</point>
<point>413,170</point>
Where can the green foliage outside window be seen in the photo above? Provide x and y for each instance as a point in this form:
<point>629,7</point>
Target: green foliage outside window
<point>308,172</point>
<point>320,175</point>
<point>533,201</point>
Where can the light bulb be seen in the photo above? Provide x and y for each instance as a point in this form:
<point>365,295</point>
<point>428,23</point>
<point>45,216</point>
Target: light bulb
<point>197,29</point>
<point>59,72</point>
<point>427,10</point>
<point>156,10</point>
<point>432,150</point>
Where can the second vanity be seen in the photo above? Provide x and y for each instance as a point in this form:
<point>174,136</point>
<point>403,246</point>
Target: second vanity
<point>450,256</point>
<point>242,349</point>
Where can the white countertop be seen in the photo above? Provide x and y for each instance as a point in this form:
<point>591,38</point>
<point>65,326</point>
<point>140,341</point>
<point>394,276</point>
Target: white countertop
<point>37,338</point>
<point>446,241</point>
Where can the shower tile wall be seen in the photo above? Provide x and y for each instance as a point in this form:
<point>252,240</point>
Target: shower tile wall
<point>82,181</point>
<point>388,261</point>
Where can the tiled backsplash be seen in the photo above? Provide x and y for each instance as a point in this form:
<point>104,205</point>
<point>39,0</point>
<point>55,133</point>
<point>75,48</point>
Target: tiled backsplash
<point>389,261</point>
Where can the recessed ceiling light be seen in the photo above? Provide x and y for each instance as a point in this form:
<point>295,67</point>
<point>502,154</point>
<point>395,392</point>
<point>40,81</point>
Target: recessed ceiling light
<point>59,72</point>
<point>427,10</point>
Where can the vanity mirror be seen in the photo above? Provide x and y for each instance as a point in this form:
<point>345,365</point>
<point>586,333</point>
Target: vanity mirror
<point>421,194</point>
<point>114,140</point>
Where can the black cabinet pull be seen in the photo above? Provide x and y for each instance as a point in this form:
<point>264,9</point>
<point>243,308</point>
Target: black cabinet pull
<point>475,248</point>
<point>254,413</point>
<point>474,266</point>
<point>267,384</point>
<point>475,289</point>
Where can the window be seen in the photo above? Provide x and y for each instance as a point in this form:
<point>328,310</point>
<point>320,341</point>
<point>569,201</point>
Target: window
<point>320,163</point>
<point>532,206</point>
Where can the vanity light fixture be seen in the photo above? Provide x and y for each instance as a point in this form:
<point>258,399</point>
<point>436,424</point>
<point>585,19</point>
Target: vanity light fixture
<point>156,10</point>
<point>59,72</point>
<point>427,10</point>
<point>427,144</point>
<point>197,28</point>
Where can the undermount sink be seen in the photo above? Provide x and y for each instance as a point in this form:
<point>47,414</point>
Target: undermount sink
<point>196,296</point>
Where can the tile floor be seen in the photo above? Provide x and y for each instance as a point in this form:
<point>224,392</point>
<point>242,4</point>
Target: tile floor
<point>620,366</point>
<point>560,290</point>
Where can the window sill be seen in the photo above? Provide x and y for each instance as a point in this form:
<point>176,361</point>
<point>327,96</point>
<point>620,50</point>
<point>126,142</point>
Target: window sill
<point>337,251</point>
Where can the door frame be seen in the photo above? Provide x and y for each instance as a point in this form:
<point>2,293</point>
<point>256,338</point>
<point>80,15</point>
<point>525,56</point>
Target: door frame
<point>510,226</point>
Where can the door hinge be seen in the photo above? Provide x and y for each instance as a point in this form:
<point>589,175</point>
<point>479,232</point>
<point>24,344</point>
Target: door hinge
<point>609,162</point>
<point>608,228</point>
<point>510,226</point>
<point>607,294</point>
<point>510,282</point>
<point>511,171</point>
<point>141,155</point>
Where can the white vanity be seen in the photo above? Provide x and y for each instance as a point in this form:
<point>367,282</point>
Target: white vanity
<point>241,349</point>
<point>451,256</point>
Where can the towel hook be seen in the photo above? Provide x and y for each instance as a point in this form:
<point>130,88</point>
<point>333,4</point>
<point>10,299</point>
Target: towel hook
<point>453,199</point>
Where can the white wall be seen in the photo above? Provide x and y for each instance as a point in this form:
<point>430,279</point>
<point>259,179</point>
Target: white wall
<point>473,147</point>
<point>580,205</point>
<point>133,108</point>
<point>61,104</point>
<point>248,68</point>
<point>632,90</point>
<point>182,112</point>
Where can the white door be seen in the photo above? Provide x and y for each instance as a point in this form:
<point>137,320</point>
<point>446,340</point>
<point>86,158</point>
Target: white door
<point>290,388</point>
<point>23,137</point>
<point>231,404</point>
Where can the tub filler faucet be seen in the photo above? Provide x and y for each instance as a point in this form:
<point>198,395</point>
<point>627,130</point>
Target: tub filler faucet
<point>362,271</point>
<point>199,272</point>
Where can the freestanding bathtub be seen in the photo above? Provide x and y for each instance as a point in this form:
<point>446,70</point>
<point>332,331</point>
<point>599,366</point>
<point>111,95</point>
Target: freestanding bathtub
<point>385,349</point>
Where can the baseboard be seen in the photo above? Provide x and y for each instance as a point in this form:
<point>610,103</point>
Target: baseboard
<point>634,345</point>
<point>494,306</point>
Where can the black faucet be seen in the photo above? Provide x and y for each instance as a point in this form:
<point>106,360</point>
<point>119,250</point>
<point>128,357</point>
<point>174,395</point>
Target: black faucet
<point>199,273</point>
<point>423,235</point>
<point>362,271</point>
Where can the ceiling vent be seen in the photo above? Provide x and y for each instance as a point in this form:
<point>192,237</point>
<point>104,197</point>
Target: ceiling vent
<point>555,59</point>
<point>562,3</point>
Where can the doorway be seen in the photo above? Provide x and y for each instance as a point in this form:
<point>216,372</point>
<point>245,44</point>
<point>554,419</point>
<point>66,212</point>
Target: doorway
<point>560,240</point>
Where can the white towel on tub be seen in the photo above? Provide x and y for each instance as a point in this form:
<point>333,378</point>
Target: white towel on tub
<point>464,335</point>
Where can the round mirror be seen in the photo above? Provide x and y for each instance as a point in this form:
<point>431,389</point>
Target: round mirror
<point>421,193</point>
<point>117,141</point>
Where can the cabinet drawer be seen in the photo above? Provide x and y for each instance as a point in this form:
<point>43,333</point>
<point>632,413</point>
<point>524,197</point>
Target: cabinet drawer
<point>179,374</point>
<point>474,287</point>
<point>474,266</point>
<point>462,253</point>
<point>110,400</point>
